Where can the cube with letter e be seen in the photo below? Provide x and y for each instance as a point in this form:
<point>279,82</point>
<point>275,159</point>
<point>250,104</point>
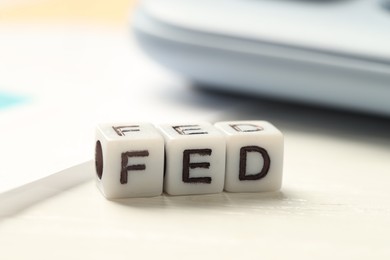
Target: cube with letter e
<point>254,156</point>
<point>195,158</point>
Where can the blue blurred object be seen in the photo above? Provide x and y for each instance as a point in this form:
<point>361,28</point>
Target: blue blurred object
<point>329,53</point>
<point>7,100</point>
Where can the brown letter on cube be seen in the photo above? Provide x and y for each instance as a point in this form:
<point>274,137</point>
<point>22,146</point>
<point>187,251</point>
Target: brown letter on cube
<point>243,156</point>
<point>187,165</point>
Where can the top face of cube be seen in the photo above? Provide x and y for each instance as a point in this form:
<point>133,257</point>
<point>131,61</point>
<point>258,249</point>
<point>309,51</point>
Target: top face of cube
<point>192,130</point>
<point>122,131</point>
<point>234,128</point>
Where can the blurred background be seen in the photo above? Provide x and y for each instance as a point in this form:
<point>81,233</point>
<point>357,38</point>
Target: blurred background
<point>101,12</point>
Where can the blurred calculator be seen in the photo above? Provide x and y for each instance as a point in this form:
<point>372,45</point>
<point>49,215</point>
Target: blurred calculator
<point>332,53</point>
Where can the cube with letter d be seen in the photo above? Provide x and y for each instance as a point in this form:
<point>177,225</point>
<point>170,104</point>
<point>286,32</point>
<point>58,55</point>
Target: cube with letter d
<point>195,158</point>
<point>254,156</point>
<point>129,160</point>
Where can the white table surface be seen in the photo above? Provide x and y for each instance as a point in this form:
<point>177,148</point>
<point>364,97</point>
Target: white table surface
<point>334,204</point>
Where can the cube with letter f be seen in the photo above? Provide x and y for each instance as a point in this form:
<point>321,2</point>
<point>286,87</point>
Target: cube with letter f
<point>129,160</point>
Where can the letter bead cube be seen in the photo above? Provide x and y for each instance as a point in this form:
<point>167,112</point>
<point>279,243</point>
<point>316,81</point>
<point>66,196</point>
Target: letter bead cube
<point>254,156</point>
<point>129,160</point>
<point>194,159</point>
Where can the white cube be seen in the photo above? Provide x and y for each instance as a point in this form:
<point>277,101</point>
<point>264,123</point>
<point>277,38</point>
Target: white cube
<point>254,156</point>
<point>194,158</point>
<point>129,160</point>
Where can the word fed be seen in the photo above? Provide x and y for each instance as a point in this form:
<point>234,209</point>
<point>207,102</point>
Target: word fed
<point>140,160</point>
